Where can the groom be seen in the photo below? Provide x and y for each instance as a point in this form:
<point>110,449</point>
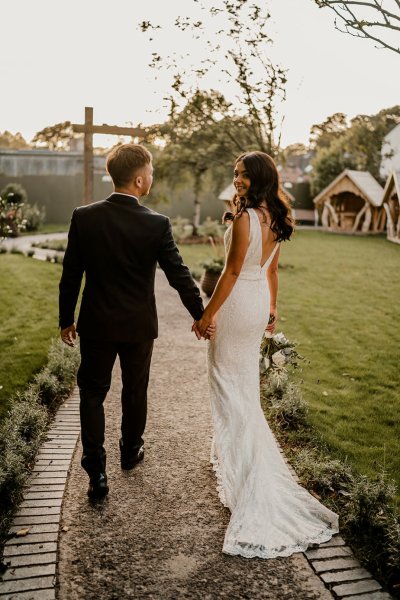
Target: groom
<point>117,244</point>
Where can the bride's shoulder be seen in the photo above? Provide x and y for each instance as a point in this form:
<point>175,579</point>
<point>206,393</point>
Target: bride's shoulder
<point>241,223</point>
<point>241,218</point>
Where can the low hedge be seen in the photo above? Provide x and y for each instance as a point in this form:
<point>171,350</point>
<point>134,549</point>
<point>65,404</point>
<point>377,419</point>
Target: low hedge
<point>24,427</point>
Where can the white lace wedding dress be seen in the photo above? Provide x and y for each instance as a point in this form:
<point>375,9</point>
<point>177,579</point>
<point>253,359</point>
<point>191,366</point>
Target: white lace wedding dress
<point>271,515</point>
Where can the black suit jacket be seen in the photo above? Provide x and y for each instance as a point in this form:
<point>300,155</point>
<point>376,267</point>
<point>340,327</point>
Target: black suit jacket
<point>117,243</point>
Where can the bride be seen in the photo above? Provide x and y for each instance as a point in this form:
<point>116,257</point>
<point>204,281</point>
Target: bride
<point>271,515</point>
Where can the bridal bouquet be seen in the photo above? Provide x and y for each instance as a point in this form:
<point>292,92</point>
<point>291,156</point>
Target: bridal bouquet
<point>277,352</point>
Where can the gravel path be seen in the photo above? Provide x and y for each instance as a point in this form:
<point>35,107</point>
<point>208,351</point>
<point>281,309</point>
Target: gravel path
<point>159,533</point>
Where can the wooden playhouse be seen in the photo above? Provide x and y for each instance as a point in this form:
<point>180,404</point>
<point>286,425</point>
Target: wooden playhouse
<point>391,205</point>
<point>352,203</point>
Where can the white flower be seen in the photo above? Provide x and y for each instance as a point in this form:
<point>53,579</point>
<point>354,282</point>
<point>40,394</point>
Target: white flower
<point>268,334</point>
<point>267,363</point>
<point>279,359</point>
<point>280,339</point>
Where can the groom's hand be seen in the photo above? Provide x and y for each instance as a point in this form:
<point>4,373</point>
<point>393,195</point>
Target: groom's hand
<point>68,335</point>
<point>204,328</point>
<point>196,330</point>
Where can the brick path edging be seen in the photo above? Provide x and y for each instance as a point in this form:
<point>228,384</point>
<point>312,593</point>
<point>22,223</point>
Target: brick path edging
<point>339,570</point>
<point>32,556</point>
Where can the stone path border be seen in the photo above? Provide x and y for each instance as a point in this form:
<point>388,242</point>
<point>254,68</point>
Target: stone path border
<point>32,558</point>
<point>340,571</point>
<point>31,554</point>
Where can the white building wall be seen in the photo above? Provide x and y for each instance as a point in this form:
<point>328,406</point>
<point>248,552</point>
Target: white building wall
<point>391,152</point>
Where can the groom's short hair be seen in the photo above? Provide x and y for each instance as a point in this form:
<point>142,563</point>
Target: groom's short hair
<point>124,161</point>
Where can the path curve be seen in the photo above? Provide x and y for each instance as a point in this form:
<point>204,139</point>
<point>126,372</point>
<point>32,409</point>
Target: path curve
<point>159,533</point>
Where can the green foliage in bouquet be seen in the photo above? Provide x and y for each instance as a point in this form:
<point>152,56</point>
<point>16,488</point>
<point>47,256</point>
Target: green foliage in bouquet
<point>286,404</point>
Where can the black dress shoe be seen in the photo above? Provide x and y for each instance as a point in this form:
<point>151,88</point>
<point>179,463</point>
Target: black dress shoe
<point>129,460</point>
<point>98,487</point>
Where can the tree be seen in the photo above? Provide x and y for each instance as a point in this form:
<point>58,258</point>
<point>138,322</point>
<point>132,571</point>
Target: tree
<point>201,137</point>
<point>328,163</point>
<point>368,19</point>
<point>55,137</point>
<point>11,140</point>
<point>323,134</point>
<point>236,51</point>
<point>358,147</point>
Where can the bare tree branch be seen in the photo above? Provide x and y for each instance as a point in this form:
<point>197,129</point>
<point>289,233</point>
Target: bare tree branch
<point>367,25</point>
<point>240,57</point>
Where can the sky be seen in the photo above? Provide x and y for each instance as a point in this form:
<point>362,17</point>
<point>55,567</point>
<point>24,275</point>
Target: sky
<point>58,57</point>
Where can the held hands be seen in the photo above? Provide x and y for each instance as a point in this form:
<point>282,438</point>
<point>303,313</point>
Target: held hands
<point>205,328</point>
<point>68,335</point>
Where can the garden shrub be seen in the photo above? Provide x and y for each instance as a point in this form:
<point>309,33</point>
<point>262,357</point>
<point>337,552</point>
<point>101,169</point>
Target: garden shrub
<point>20,436</point>
<point>14,193</point>
<point>33,216</point>
<point>24,426</point>
<point>288,408</point>
<point>57,245</point>
<point>181,228</point>
<point>11,219</point>
<point>210,228</point>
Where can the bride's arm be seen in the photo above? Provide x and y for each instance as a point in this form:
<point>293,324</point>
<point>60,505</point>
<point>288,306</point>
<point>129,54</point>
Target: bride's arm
<point>272,277</point>
<point>234,262</point>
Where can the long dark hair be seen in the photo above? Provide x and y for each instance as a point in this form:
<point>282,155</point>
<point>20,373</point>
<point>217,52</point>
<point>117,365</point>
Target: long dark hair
<point>264,186</point>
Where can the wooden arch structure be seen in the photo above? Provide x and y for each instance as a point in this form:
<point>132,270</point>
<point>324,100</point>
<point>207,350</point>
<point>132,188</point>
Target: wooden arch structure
<point>352,203</point>
<point>88,129</point>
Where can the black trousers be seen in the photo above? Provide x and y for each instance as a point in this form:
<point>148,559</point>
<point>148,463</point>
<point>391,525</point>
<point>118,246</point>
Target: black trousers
<point>94,380</point>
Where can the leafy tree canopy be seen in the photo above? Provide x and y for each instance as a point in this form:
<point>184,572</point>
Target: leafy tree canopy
<point>55,137</point>
<point>356,146</point>
<point>13,140</point>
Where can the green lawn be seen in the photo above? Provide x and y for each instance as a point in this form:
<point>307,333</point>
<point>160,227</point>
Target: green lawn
<point>28,319</point>
<point>194,254</point>
<point>339,300</point>
<point>340,303</point>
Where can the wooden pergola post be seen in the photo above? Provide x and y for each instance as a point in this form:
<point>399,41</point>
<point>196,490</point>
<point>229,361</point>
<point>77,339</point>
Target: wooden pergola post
<point>88,129</point>
<point>88,157</point>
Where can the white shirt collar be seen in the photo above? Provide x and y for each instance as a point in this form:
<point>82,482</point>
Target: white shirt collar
<point>129,195</point>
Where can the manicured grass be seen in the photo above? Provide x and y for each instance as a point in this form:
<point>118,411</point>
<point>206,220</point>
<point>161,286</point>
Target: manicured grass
<point>28,317</point>
<point>339,300</point>
<point>340,303</point>
<point>194,254</point>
